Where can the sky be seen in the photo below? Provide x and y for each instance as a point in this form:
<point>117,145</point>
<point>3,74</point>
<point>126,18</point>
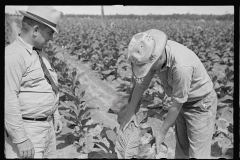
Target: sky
<point>138,10</point>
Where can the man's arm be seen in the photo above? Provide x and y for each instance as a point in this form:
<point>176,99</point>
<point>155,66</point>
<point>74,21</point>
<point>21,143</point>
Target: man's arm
<point>14,68</point>
<point>128,113</point>
<point>171,117</point>
<point>181,84</point>
<point>140,86</point>
<point>136,96</point>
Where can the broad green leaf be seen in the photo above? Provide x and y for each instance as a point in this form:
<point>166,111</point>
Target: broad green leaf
<point>107,72</point>
<point>85,113</point>
<point>82,141</point>
<point>141,115</point>
<point>103,146</point>
<point>105,118</point>
<point>83,88</point>
<point>72,97</point>
<point>214,79</point>
<point>66,130</point>
<point>226,99</point>
<point>127,144</point>
<point>95,131</point>
<point>111,135</point>
<point>230,128</point>
<point>68,104</point>
<point>74,73</point>
<point>70,125</point>
<point>222,126</point>
<point>110,78</point>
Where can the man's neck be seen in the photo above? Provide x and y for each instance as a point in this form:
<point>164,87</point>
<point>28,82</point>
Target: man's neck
<point>25,37</point>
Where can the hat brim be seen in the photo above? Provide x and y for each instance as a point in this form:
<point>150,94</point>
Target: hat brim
<point>24,13</point>
<point>160,38</point>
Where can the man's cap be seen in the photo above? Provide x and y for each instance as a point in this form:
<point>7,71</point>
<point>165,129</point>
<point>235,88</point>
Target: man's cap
<point>144,49</point>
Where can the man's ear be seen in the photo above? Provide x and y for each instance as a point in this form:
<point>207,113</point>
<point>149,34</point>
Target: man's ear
<point>35,30</point>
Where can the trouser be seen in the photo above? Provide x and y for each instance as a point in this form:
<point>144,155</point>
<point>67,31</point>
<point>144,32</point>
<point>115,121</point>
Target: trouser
<point>194,128</point>
<point>42,136</point>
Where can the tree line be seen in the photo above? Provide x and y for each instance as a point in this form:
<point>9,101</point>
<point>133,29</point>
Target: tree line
<point>154,17</point>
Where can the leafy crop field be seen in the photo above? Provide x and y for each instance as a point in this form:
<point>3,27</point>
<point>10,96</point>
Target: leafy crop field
<point>104,49</point>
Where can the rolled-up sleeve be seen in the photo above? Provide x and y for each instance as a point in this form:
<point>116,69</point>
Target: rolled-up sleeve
<point>14,68</point>
<point>145,81</point>
<point>182,78</point>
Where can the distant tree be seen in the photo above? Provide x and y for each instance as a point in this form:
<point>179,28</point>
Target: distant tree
<point>102,15</point>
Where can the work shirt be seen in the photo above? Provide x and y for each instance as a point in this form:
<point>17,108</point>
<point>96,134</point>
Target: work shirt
<point>27,92</point>
<point>184,78</point>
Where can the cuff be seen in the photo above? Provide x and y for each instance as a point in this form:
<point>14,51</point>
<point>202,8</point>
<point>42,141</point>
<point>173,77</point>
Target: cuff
<point>18,136</point>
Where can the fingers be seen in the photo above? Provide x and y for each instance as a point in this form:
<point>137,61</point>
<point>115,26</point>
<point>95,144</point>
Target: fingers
<point>26,150</point>
<point>29,153</point>
<point>22,154</point>
<point>25,154</point>
<point>33,152</point>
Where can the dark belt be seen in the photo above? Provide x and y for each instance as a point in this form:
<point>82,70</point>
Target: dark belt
<point>38,119</point>
<point>35,119</point>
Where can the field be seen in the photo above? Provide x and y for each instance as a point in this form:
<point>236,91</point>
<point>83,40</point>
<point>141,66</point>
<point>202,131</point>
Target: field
<point>94,78</point>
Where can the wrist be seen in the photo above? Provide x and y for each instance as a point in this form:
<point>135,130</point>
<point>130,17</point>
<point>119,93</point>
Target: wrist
<point>22,141</point>
<point>163,131</point>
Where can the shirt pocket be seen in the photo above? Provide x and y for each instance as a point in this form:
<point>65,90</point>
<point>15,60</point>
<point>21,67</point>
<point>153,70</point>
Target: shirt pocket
<point>36,74</point>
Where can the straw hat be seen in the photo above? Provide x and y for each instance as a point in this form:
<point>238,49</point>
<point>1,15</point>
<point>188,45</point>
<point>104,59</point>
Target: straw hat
<point>144,49</point>
<point>43,14</point>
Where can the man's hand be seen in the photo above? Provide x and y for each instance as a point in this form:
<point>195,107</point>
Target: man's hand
<point>125,116</point>
<point>58,125</point>
<point>26,149</point>
<point>159,139</point>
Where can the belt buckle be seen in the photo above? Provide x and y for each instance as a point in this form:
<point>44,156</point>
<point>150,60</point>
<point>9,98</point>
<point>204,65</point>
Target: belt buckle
<point>49,118</point>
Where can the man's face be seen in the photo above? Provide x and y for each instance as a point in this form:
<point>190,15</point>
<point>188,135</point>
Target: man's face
<point>159,63</point>
<point>44,35</point>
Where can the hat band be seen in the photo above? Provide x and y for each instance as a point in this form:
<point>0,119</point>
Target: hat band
<point>44,20</point>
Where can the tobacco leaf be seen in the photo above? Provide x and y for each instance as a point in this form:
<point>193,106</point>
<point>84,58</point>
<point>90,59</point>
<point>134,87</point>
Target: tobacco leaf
<point>128,141</point>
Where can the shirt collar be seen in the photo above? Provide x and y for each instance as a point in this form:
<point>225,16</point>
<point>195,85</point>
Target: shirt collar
<point>24,44</point>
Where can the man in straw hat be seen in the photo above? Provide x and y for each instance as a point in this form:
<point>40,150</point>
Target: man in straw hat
<point>31,94</point>
<point>185,80</point>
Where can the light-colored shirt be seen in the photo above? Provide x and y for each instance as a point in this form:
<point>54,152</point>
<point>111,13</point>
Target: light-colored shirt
<point>27,92</point>
<point>184,78</point>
